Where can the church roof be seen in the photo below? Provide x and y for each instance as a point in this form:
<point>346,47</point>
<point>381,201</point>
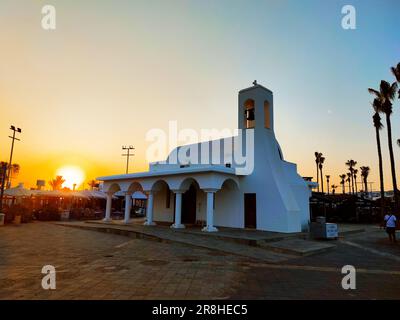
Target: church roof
<point>256,86</point>
<point>159,173</point>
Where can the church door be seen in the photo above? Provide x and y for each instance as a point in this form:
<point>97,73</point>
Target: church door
<point>189,206</point>
<point>250,213</point>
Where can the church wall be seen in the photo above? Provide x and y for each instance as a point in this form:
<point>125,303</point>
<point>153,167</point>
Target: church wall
<point>160,211</point>
<point>229,207</point>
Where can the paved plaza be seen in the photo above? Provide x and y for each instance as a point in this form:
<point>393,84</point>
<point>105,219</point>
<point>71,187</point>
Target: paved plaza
<point>98,265</point>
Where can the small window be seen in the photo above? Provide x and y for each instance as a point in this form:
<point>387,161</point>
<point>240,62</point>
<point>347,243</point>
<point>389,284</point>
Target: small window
<point>267,115</point>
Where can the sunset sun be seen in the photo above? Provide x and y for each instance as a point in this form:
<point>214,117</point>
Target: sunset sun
<point>72,175</point>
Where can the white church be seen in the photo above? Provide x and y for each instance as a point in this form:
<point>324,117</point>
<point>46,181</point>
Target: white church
<point>269,196</point>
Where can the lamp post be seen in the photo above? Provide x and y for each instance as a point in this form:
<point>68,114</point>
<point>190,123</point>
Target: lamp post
<point>127,155</point>
<point>15,130</point>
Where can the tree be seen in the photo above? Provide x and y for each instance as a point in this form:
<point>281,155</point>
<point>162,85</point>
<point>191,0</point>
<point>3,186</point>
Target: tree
<point>327,181</point>
<point>321,162</point>
<point>349,180</point>
<point>386,95</point>
<point>342,182</point>
<point>396,72</point>
<point>3,177</point>
<point>93,184</point>
<point>333,187</point>
<point>364,176</point>
<point>56,184</point>
<point>355,172</point>
<point>351,164</point>
<point>318,156</point>
<point>14,172</point>
<point>376,104</point>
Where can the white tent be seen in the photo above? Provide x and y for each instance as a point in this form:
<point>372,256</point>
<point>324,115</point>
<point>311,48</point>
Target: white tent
<point>18,191</point>
<point>139,195</point>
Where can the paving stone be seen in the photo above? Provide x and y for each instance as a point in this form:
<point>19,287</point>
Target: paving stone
<point>81,255</point>
<point>299,246</point>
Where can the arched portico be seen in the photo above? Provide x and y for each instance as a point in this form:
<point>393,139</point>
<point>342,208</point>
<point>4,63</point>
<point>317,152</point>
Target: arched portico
<point>129,188</point>
<point>184,198</point>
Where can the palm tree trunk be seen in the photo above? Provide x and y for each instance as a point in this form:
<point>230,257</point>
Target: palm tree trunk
<point>352,183</point>
<point>389,131</point>
<point>322,182</point>
<point>378,144</point>
<point>366,186</point>
<point>318,177</point>
<point>355,183</point>
<point>344,191</point>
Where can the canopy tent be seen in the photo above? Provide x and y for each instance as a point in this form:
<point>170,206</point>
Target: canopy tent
<point>18,191</point>
<point>139,195</point>
<point>93,194</point>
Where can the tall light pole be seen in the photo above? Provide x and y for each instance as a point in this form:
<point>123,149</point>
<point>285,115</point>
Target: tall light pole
<point>14,129</point>
<point>128,155</point>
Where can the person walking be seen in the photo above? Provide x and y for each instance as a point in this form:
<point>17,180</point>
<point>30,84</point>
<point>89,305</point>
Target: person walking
<point>390,224</point>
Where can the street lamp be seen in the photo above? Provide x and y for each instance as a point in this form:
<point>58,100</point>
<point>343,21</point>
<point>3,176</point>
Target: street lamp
<point>15,130</point>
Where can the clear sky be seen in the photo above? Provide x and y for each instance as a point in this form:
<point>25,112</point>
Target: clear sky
<point>114,69</point>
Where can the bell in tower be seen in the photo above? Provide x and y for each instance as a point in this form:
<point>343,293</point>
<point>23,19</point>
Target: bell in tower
<point>256,108</point>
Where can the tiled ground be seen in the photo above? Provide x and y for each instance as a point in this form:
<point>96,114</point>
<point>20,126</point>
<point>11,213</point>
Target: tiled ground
<point>94,265</point>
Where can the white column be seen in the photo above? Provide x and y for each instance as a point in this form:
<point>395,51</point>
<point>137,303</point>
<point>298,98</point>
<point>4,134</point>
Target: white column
<point>149,211</point>
<point>108,208</point>
<point>128,206</point>
<point>210,213</point>
<point>178,211</point>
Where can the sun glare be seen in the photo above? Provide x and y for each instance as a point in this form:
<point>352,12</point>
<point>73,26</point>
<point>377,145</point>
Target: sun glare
<point>72,175</point>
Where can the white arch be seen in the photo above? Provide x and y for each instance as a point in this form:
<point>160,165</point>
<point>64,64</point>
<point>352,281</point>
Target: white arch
<point>229,183</point>
<point>186,183</point>
<point>112,187</point>
<point>156,185</point>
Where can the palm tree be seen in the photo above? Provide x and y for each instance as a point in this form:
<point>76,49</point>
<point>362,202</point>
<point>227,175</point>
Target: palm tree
<point>378,126</point>
<point>386,95</point>
<point>321,162</point>
<point>396,72</point>
<point>3,178</point>
<point>351,164</point>
<point>342,182</point>
<point>327,181</point>
<point>13,173</point>
<point>333,188</point>
<point>56,183</point>
<point>364,175</point>
<point>355,171</point>
<point>93,184</point>
<point>318,156</point>
<point>349,180</point>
